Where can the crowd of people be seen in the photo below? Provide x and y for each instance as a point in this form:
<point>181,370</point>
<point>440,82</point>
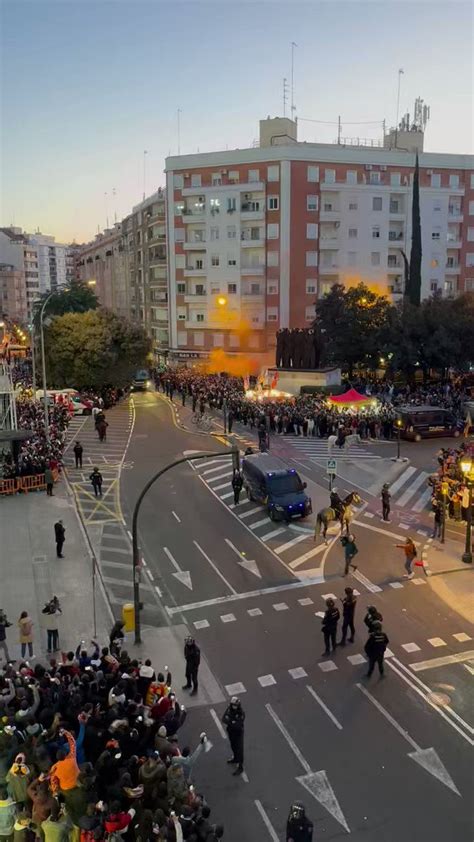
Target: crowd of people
<point>34,455</point>
<point>89,751</point>
<point>449,484</point>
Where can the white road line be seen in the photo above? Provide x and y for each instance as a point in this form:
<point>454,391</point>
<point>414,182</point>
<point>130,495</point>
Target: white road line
<point>283,547</point>
<point>289,739</point>
<point>220,600</point>
<point>218,723</point>
<point>412,489</point>
<point>272,534</point>
<point>220,487</point>
<point>423,500</point>
<point>271,830</point>
<point>324,707</point>
<point>212,470</point>
<point>229,493</point>
<point>250,512</point>
<point>176,517</point>
<point>258,523</point>
<point>365,581</point>
<point>123,583</point>
<point>297,562</point>
<point>389,717</point>
<point>150,575</point>
<point>219,476</point>
<point>381,531</point>
<point>458,658</point>
<point>219,461</point>
<point>402,479</point>
<point>214,567</point>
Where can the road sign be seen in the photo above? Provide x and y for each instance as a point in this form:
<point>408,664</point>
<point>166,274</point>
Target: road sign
<point>331,466</point>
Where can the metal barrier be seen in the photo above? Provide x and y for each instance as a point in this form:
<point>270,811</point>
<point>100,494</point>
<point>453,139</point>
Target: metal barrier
<point>8,486</point>
<point>34,482</point>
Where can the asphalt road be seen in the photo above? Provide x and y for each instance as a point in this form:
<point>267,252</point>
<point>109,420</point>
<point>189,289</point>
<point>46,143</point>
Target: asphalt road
<point>384,759</point>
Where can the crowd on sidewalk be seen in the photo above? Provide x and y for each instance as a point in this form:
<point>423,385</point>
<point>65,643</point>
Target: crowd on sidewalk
<point>449,480</point>
<point>34,454</point>
<point>89,751</point>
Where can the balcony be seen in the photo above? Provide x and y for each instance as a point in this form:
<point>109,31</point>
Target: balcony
<point>394,267</point>
<point>195,298</point>
<point>396,236</point>
<point>332,215</point>
<point>329,242</point>
<point>194,245</point>
<point>252,270</point>
<point>251,213</point>
<point>455,214</point>
<point>328,270</point>
<point>197,215</point>
<point>195,325</point>
<point>453,269</point>
<point>248,242</point>
<point>454,243</point>
<point>193,272</point>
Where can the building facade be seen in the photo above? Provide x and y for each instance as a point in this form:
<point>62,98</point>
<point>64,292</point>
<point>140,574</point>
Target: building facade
<point>103,261</point>
<point>13,302</point>
<point>257,235</point>
<point>21,281</point>
<point>51,262</point>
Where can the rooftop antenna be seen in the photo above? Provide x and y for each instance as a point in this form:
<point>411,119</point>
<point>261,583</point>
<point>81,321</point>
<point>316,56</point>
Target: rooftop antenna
<point>145,153</point>
<point>400,74</point>
<point>179,131</point>
<point>106,209</point>
<point>114,194</point>
<point>285,95</point>
<point>293,106</point>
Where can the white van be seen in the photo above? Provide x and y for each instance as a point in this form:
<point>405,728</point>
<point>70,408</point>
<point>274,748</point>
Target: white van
<point>68,395</point>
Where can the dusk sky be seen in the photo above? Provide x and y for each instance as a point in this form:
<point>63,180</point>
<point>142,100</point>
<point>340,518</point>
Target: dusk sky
<point>87,86</point>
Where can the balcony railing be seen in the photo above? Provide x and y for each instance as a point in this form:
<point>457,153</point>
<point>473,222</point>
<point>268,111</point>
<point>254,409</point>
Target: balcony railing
<point>395,235</point>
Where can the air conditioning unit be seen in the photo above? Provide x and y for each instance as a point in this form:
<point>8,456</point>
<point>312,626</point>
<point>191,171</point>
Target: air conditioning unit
<point>368,166</point>
<point>429,172</point>
<point>187,175</point>
<point>383,168</point>
<point>224,172</point>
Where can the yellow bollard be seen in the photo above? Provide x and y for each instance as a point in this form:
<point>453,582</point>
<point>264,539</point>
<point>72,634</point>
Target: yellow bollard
<point>128,616</point>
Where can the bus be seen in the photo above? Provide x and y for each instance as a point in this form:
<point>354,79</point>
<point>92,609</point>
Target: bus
<point>141,380</point>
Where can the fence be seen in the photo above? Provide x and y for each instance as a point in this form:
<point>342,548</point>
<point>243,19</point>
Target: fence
<point>22,485</point>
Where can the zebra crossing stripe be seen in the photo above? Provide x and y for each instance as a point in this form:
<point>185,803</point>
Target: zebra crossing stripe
<point>407,473</point>
<point>412,489</point>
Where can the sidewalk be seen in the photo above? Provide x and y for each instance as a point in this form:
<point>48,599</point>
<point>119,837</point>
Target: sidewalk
<point>449,577</point>
<point>30,573</point>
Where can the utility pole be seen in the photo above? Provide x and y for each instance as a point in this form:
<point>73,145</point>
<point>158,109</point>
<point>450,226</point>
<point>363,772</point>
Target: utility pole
<point>293,106</point>
<point>285,95</point>
<point>339,130</point>
<point>400,73</point>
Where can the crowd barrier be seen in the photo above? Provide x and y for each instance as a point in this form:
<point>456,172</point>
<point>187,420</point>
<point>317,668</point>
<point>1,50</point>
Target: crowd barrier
<point>22,485</point>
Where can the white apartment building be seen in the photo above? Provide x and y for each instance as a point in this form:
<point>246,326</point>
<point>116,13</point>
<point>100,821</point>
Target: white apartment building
<point>51,261</point>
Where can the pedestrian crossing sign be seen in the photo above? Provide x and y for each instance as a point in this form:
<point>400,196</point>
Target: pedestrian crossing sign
<point>331,466</point>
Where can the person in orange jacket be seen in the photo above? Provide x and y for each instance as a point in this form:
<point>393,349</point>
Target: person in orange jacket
<point>65,772</point>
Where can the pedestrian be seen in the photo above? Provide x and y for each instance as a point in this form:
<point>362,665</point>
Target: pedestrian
<point>237,483</point>
<point>386,497</point>
<point>59,535</point>
<point>116,637</point>
<point>230,421</point>
<point>4,625</point>
<point>350,550</point>
<point>348,609</point>
<point>78,451</point>
<point>375,647</point>
<point>298,827</point>
<point>49,480</point>
<point>192,656</point>
<point>438,517</point>
<point>329,625</point>
<point>25,625</point>
<point>7,815</point>
<point>372,617</point>
<point>233,719</point>
<point>52,612</point>
<point>409,549</point>
<point>96,480</point>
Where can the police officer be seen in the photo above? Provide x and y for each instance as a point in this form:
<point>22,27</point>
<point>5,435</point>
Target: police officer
<point>375,647</point>
<point>348,609</point>
<point>372,617</point>
<point>192,655</point>
<point>237,483</point>
<point>335,501</point>
<point>233,719</point>
<point>298,827</point>
<point>329,625</point>
<point>386,497</point>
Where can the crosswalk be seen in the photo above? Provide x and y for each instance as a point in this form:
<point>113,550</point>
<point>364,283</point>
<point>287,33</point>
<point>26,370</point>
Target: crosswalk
<point>315,448</point>
<point>410,490</point>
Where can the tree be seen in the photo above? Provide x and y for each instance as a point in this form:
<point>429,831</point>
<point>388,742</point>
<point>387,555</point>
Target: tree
<point>413,293</point>
<point>93,349</point>
<point>78,297</point>
<point>353,324</point>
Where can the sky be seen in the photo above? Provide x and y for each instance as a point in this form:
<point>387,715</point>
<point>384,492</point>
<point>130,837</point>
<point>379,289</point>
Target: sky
<point>88,85</point>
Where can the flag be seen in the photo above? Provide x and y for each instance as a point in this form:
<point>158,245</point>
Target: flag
<point>275,380</point>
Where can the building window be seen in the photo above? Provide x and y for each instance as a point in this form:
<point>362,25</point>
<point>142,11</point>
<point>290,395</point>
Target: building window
<point>181,289</point>
<point>178,182</point>
<point>375,231</point>
<point>198,338</point>
<point>353,206</point>
<point>313,174</point>
<point>434,263</point>
<point>272,258</point>
<point>377,203</point>
<point>178,236</point>
<point>231,261</point>
<point>231,232</point>
<point>434,286</point>
<point>436,206</point>
<point>196,180</point>
<point>351,177</point>
<point>273,173</point>
<point>470,235</point>
<point>436,234</point>
<point>311,231</point>
<point>181,317</point>
<point>254,175</point>
<point>199,317</point>
<point>312,203</point>
<point>272,288</point>
<point>232,289</point>
<point>214,234</point>
<point>272,314</point>
<point>215,289</point>
<point>470,259</point>
<point>395,179</point>
<point>311,258</point>
<point>273,230</point>
<point>231,204</point>
<point>310,313</point>
<point>216,179</point>
<point>329,176</point>
<point>352,233</point>
<point>233,176</point>
<point>311,286</point>
<point>375,258</point>
<point>273,203</point>
<point>392,261</point>
<point>218,340</point>
<point>374,178</point>
<point>471,208</point>
<point>454,181</point>
<point>182,337</point>
<point>215,260</point>
<point>234,340</point>
<point>352,258</point>
<point>435,179</point>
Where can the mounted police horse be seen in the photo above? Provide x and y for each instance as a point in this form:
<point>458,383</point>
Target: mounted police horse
<point>342,513</point>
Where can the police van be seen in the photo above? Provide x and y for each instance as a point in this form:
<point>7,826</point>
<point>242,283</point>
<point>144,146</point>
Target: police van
<point>419,422</point>
<point>268,480</point>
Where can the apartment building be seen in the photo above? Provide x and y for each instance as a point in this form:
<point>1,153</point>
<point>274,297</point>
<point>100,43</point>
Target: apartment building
<point>51,261</point>
<point>257,235</point>
<point>20,273</point>
<point>13,294</point>
<point>103,261</point>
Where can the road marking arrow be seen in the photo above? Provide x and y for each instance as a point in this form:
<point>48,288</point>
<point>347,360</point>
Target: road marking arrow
<point>316,783</point>
<point>182,576</point>
<point>425,757</point>
<point>246,563</point>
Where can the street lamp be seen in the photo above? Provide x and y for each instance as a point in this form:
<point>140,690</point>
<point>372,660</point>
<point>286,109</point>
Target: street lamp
<point>43,368</point>
<point>466,467</point>
<point>444,492</point>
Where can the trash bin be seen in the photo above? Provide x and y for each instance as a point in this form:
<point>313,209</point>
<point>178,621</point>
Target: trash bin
<point>128,616</point>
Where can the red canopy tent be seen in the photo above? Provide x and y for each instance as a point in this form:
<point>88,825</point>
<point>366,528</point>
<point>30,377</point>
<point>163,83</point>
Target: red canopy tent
<point>352,396</point>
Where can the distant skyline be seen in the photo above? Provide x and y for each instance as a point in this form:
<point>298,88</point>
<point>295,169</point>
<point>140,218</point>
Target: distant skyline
<point>88,86</point>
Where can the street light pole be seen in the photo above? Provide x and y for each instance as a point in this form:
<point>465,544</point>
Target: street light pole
<point>43,367</point>
<point>444,491</point>
<point>33,359</point>
<point>467,554</point>
<point>234,453</point>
